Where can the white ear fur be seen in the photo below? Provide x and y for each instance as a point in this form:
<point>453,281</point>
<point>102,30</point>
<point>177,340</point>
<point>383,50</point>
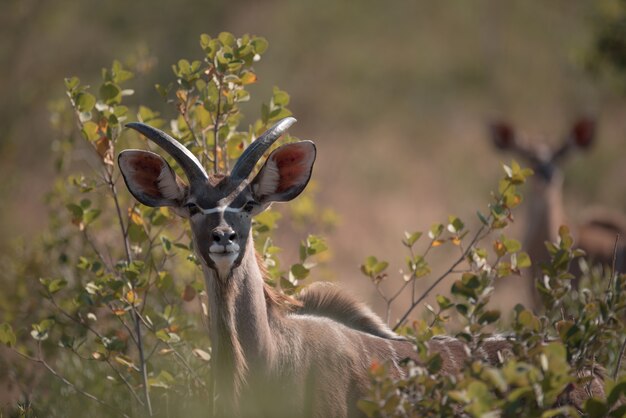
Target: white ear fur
<point>285,173</point>
<point>150,178</point>
<point>268,179</point>
<point>169,187</point>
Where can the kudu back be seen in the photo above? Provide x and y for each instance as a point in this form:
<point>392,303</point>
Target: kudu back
<point>272,356</point>
<point>596,233</point>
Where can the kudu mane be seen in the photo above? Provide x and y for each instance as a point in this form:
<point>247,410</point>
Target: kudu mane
<point>327,300</point>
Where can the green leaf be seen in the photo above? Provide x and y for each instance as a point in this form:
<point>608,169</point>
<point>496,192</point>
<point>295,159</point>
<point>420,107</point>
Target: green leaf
<point>617,392</point>
<point>523,260</point>
<point>411,238</point>
<point>299,271</point>
<point>90,215</point>
<point>54,285</point>
<point>512,245</point>
<point>280,97</point>
<point>266,221</point>
<point>71,83</point>
<point>455,225</point>
<point>482,218</point>
<point>368,407</point>
<point>90,131</point>
<point>166,244</point>
<point>372,267</point>
<point>164,280</point>
<point>76,211</point>
<point>315,245</point>
<point>435,231</point>
<point>434,363</point>
<point>226,38</point>
<point>489,317</point>
<point>84,101</point>
<point>7,337</point>
<point>164,380</point>
<point>443,302</point>
<point>110,93</point>
<point>260,45</point>
<point>595,408</point>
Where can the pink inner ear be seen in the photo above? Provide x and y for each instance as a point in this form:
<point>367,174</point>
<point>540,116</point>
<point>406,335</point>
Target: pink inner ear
<point>146,173</point>
<point>290,162</point>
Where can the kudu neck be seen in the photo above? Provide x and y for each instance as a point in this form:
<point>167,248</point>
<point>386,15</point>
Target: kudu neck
<point>545,214</point>
<point>239,324</point>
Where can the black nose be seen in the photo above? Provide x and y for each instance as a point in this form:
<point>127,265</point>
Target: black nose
<point>224,236</point>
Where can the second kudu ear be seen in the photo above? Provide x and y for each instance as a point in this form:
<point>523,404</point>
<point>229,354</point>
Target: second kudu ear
<point>502,135</point>
<point>583,132</point>
<point>150,178</point>
<point>285,173</point>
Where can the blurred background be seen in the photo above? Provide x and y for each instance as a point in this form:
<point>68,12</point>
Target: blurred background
<point>397,96</point>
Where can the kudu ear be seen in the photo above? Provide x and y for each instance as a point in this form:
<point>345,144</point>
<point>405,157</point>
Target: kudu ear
<point>583,132</point>
<point>151,179</point>
<point>285,173</point>
<point>502,135</point>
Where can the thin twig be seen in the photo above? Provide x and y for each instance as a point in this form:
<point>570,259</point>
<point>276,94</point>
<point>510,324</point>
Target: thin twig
<point>39,359</point>
<point>185,116</point>
<point>218,81</point>
<point>439,279</point>
<point>129,259</point>
<point>95,250</point>
<point>126,382</point>
<point>614,262</point>
<point>618,366</point>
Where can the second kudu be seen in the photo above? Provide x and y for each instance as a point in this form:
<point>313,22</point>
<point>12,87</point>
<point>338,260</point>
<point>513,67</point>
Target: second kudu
<point>596,234</point>
<point>272,356</point>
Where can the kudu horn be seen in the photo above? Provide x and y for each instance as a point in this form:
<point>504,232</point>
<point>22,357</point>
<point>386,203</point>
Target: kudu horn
<point>185,159</point>
<point>247,161</point>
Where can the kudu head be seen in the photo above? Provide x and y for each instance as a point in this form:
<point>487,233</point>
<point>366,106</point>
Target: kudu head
<point>219,207</point>
<point>542,159</point>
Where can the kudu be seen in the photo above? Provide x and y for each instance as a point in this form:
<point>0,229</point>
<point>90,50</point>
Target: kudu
<point>272,356</point>
<point>596,234</point>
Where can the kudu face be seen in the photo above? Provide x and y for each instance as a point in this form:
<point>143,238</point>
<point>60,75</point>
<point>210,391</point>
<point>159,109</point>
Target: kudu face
<point>542,159</point>
<point>219,208</point>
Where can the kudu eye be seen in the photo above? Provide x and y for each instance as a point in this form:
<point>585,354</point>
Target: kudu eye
<point>192,208</point>
<point>249,206</point>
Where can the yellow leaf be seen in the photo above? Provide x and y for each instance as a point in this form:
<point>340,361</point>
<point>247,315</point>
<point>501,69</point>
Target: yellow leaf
<point>182,95</point>
<point>248,78</point>
<point>135,216</point>
<point>105,150</point>
<point>131,296</point>
<point>437,243</point>
<point>456,240</point>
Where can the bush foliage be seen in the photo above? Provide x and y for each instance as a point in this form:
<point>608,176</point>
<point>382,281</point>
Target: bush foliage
<point>109,303</point>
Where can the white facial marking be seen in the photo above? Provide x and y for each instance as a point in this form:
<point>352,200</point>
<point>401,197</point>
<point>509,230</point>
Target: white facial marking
<point>220,209</point>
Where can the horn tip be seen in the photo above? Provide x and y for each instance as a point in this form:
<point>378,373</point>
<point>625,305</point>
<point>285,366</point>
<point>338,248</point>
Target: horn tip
<point>138,126</point>
<point>285,123</point>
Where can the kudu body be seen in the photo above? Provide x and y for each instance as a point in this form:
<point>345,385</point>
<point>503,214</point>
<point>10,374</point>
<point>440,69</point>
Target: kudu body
<point>596,234</point>
<point>272,356</point>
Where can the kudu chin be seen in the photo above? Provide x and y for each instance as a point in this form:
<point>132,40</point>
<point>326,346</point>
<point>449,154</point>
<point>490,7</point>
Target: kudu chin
<point>272,356</point>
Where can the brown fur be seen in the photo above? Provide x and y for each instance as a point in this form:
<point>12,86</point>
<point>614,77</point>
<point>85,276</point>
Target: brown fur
<point>328,300</point>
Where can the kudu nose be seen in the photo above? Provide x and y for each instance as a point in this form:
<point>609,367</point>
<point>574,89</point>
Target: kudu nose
<point>224,236</point>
